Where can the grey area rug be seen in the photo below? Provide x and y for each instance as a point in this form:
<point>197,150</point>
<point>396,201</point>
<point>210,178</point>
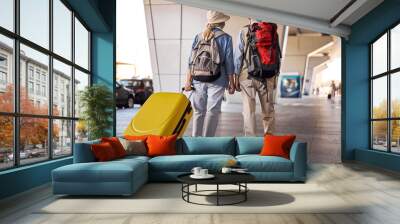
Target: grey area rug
<point>166,198</point>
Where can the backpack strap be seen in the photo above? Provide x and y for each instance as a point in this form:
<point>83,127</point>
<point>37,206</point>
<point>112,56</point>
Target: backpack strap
<point>246,43</point>
<point>218,33</point>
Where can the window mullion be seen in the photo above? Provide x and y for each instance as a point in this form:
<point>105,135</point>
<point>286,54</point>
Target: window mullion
<point>16,84</point>
<point>73,82</point>
<point>389,100</point>
<point>50,81</point>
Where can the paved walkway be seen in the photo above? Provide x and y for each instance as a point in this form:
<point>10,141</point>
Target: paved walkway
<point>314,120</point>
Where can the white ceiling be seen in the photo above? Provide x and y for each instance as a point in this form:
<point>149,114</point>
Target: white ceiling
<point>315,15</point>
<point>321,9</point>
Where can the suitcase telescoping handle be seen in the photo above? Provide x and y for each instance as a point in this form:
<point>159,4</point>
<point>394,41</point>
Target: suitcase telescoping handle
<point>191,88</point>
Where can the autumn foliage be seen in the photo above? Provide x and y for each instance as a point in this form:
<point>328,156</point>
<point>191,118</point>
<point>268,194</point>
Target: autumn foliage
<point>380,127</point>
<point>33,131</point>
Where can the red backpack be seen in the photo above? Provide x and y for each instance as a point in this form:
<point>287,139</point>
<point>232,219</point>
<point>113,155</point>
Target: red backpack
<point>264,55</point>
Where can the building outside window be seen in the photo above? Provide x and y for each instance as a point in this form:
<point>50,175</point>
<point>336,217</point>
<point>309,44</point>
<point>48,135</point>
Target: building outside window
<point>44,77</point>
<point>38,89</point>
<point>34,75</point>
<point>3,72</point>
<point>44,91</point>
<point>385,91</point>
<point>3,78</point>
<point>30,72</point>
<point>30,87</point>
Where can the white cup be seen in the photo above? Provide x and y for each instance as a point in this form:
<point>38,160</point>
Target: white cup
<point>196,171</point>
<point>203,172</point>
<point>226,170</point>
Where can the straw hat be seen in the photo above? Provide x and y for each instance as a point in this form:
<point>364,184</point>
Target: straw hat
<point>216,17</point>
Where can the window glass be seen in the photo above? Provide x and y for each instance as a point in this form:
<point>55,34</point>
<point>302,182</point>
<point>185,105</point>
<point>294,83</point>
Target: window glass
<point>81,131</point>
<point>81,45</point>
<point>62,89</point>
<point>379,135</point>
<point>379,98</point>
<point>6,74</point>
<point>7,14</point>
<point>6,142</point>
<point>81,82</point>
<point>395,47</point>
<point>39,63</point>
<point>395,95</point>
<point>33,139</point>
<point>62,138</point>
<point>379,56</point>
<point>34,21</point>
<point>395,136</point>
<point>62,29</point>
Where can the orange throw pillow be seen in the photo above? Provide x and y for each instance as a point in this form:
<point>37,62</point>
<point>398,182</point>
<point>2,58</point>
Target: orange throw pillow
<point>136,138</point>
<point>103,152</point>
<point>116,145</point>
<point>161,145</point>
<point>277,145</point>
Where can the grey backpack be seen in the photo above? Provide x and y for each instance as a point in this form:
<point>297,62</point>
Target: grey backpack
<point>205,59</point>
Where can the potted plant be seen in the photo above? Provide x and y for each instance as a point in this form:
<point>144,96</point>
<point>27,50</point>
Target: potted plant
<point>97,105</point>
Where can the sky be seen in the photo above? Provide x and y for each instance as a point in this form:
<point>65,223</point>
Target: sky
<point>35,27</point>
<point>132,39</point>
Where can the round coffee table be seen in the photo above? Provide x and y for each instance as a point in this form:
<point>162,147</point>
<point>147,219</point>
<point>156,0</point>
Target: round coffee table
<point>238,179</point>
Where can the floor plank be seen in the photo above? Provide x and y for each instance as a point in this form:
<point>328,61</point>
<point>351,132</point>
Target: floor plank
<point>377,190</point>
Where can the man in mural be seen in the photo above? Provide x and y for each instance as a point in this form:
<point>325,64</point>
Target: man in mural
<point>257,63</point>
<point>210,72</point>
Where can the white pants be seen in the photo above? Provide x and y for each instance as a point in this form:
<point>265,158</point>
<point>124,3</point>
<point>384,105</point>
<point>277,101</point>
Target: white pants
<point>206,100</point>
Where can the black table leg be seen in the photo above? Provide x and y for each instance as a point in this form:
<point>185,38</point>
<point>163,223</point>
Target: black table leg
<point>188,190</point>
<point>196,187</point>
<point>245,193</point>
<point>217,194</point>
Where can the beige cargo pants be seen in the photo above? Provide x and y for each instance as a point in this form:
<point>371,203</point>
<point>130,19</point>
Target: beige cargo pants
<point>266,95</point>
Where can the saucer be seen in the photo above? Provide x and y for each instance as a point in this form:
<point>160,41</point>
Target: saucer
<point>208,176</point>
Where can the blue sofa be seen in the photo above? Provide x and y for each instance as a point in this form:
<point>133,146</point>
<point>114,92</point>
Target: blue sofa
<point>125,176</point>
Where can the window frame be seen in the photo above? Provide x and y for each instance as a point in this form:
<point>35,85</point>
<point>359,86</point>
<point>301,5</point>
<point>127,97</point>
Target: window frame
<point>16,114</point>
<point>388,74</point>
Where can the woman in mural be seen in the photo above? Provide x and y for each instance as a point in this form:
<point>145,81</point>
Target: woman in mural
<point>210,72</point>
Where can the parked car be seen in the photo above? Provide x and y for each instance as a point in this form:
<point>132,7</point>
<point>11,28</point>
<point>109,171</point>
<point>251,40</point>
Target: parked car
<point>142,88</point>
<point>124,97</point>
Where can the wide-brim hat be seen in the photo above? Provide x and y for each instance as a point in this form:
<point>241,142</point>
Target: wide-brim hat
<point>216,17</point>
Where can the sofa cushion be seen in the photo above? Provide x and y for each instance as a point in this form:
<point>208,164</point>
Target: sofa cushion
<point>249,145</point>
<point>134,147</point>
<point>112,171</point>
<point>257,163</point>
<point>161,145</point>
<point>185,163</point>
<point>275,145</point>
<point>116,145</point>
<point>103,152</point>
<point>206,145</point>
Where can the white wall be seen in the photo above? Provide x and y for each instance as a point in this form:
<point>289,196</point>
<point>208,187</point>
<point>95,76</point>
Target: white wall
<point>171,29</point>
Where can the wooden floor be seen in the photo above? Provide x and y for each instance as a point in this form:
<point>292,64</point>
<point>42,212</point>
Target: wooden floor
<point>377,190</point>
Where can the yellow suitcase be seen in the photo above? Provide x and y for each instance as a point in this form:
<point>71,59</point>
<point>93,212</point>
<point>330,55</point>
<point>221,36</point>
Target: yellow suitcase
<point>162,114</point>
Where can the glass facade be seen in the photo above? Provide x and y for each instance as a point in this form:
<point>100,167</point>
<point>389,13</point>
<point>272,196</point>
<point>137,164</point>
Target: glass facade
<point>385,94</point>
<point>38,77</point>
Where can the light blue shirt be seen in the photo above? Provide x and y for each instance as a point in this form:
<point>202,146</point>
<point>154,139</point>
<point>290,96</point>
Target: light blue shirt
<point>238,54</point>
<point>225,48</point>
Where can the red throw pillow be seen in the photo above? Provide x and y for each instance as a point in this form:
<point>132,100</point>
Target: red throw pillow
<point>161,145</point>
<point>277,145</point>
<point>103,152</point>
<point>136,137</point>
<point>116,145</point>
